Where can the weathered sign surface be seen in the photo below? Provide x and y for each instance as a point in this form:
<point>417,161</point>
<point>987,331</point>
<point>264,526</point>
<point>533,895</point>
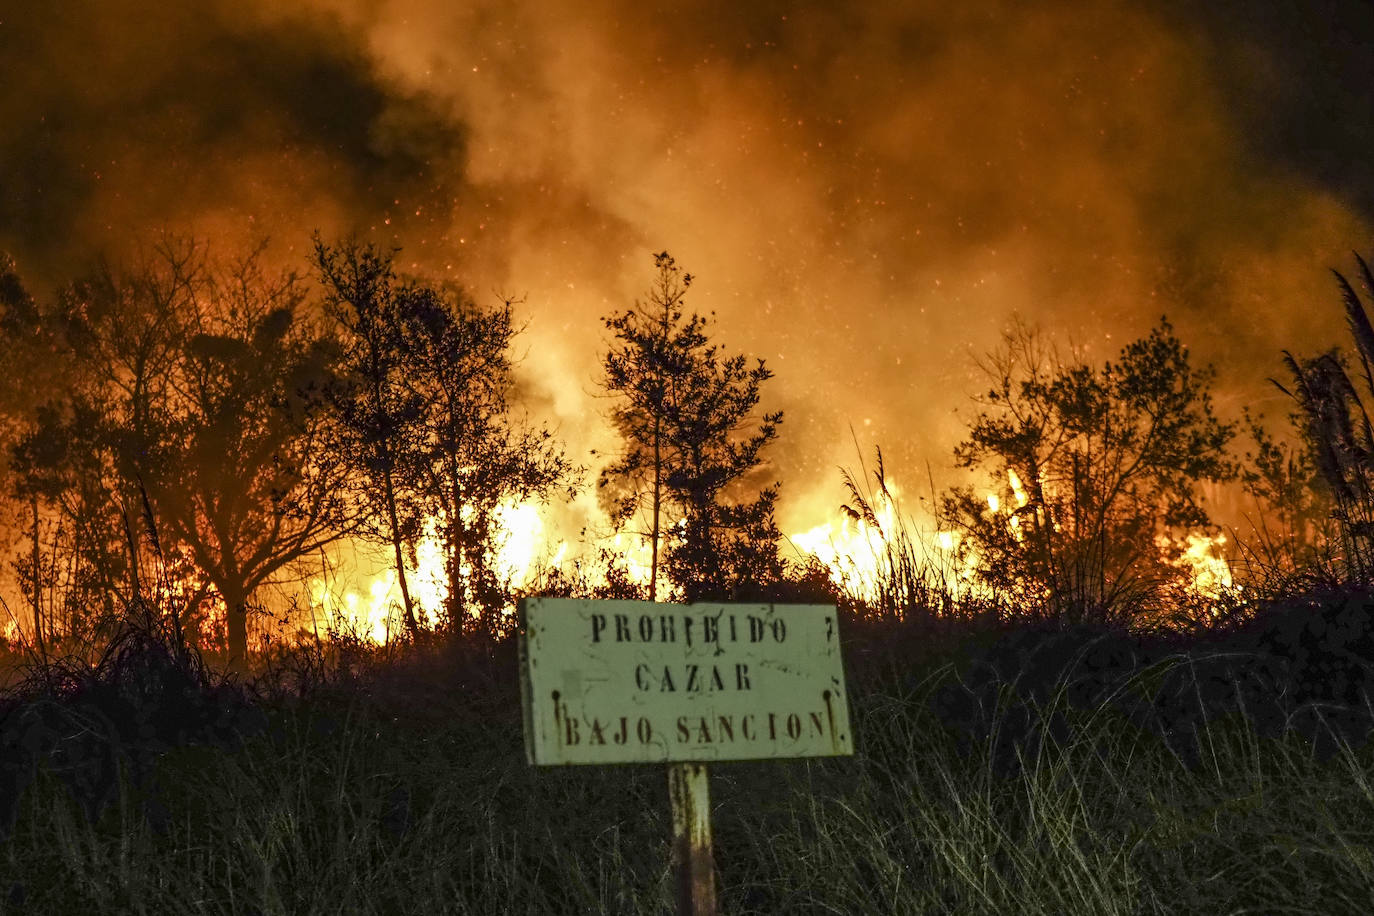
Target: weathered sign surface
<point>642,682</point>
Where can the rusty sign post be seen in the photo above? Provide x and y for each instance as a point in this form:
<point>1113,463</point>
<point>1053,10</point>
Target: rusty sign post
<point>681,684</point>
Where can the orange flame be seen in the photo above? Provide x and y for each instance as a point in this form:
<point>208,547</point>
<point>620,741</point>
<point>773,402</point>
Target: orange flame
<point>858,556</point>
<point>373,609</point>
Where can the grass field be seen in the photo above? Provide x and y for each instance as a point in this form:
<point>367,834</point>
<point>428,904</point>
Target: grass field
<point>403,788</point>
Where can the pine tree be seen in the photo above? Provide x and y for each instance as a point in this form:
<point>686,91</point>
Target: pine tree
<point>691,439</point>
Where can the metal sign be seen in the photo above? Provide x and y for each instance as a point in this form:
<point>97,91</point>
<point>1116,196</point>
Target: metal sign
<point>642,682</point>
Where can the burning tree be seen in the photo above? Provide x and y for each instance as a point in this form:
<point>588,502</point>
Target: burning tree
<point>473,455</point>
<point>683,418</point>
<point>426,423</point>
<point>378,411</point>
<point>1095,467</point>
<point>200,418</point>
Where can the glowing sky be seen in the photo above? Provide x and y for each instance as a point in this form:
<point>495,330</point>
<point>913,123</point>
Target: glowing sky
<point>865,191</point>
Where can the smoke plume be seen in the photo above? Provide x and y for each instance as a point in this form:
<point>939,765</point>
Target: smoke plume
<point>866,192</point>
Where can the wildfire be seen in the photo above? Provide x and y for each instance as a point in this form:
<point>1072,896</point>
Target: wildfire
<point>860,550</point>
<point>853,548</point>
<point>637,556</point>
<point>1019,496</point>
<point>1204,560</point>
<point>522,541</point>
<point>373,610</point>
<point>860,554</point>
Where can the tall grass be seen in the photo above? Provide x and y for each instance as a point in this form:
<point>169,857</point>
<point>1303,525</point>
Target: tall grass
<point>345,778</point>
<point>1331,400</point>
<point>404,788</point>
<point>898,575</point>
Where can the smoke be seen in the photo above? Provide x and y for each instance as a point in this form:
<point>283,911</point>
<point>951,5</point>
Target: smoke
<point>126,118</point>
<point>866,192</point>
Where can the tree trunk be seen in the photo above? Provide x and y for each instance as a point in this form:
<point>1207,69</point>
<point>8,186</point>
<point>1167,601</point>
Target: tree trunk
<point>658,502</point>
<point>236,627</point>
<point>131,533</point>
<point>37,582</point>
<point>453,563</point>
<point>393,519</point>
<point>658,457</point>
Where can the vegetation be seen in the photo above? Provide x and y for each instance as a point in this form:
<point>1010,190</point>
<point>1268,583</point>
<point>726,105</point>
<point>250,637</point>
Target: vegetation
<point>377,409</point>
<point>425,404</point>
<point>223,423</point>
<point>402,785</point>
<point>1070,762</point>
<point>195,424</point>
<point>683,413</point>
<point>1337,426</point>
<point>1098,468</point>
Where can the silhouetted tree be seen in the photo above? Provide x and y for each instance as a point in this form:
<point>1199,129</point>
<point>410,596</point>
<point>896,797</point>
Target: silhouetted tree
<point>63,469</point>
<point>379,410</point>
<point>194,425</point>
<point>690,439</point>
<point>1093,465</point>
<point>469,454</point>
<point>100,359</point>
<point>238,470</point>
<point>235,466</point>
<point>1293,528</point>
<point>29,345</point>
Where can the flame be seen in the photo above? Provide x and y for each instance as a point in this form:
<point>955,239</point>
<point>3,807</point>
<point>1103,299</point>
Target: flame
<point>637,555</point>
<point>373,608</point>
<point>853,549</point>
<point>861,555</point>
<point>1203,558</point>
<point>521,541</point>
<point>1022,499</point>
<point>858,550</point>
<point>858,553</point>
<point>1018,491</point>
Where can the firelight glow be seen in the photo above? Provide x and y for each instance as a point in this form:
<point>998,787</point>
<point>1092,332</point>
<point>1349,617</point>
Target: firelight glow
<point>867,193</point>
<point>524,547</point>
<point>857,555</point>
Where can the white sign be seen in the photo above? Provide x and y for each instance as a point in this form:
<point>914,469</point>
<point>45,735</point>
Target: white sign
<point>641,682</point>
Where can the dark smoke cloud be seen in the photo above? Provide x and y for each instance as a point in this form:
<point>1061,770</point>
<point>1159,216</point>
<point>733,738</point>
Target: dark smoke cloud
<point>124,117</point>
<point>1296,76</point>
<point>866,191</point>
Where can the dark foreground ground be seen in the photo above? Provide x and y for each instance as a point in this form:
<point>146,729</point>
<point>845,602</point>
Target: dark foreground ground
<point>1234,779</point>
